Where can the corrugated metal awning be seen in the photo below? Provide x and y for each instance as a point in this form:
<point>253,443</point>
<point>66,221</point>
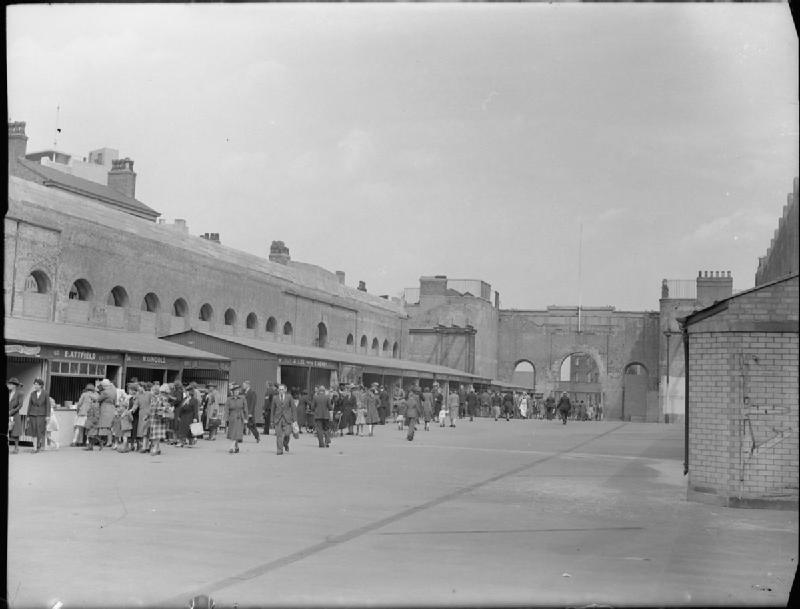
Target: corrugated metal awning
<point>372,363</point>
<point>31,331</point>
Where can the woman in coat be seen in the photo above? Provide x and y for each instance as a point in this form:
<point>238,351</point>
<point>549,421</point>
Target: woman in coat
<point>185,414</point>
<point>15,401</point>
<point>427,409</point>
<point>108,409</point>
<point>236,417</point>
<point>141,410</point>
<point>160,407</point>
<point>88,396</point>
<point>372,400</point>
<point>413,412</point>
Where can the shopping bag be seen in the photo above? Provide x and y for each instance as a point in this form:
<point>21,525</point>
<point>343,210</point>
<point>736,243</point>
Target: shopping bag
<point>295,430</point>
<point>196,429</point>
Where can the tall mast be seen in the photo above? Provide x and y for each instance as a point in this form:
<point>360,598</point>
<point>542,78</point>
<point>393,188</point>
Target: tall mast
<point>57,131</point>
<point>580,271</point>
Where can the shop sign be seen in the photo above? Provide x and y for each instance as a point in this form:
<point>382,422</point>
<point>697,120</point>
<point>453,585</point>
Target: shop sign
<point>24,350</point>
<point>152,361</point>
<point>86,356</point>
<point>305,363</point>
<point>206,365</point>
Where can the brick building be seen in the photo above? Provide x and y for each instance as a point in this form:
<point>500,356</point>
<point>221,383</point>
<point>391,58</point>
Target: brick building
<point>742,398</point>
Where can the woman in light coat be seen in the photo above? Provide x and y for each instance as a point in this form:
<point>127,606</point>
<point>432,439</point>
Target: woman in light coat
<point>108,409</point>
<point>236,409</point>
<point>88,397</point>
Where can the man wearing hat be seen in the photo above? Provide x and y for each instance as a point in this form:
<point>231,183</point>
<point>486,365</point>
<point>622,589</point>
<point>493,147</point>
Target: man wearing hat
<point>250,408</point>
<point>15,402</point>
<point>38,414</point>
<point>564,407</point>
<point>283,417</point>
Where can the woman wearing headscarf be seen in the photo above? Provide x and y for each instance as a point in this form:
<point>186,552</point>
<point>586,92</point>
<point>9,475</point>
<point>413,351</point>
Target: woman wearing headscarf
<point>108,409</point>
<point>427,408</point>
<point>372,401</point>
<point>160,407</point>
<point>88,397</point>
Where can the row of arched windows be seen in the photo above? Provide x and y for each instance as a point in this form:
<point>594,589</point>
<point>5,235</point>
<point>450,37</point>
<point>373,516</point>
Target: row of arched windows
<point>81,289</point>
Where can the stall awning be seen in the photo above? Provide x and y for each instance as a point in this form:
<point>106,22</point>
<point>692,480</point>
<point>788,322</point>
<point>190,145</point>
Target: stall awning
<point>28,331</point>
<point>368,362</point>
<point>509,386</point>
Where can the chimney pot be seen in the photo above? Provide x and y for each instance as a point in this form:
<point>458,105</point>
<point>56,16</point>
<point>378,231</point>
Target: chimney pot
<point>278,252</point>
<point>122,177</point>
<point>362,286</point>
<point>340,275</point>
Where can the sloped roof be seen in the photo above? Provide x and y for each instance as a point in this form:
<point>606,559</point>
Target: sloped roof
<point>301,278</point>
<point>104,339</point>
<point>59,179</point>
<point>345,357</point>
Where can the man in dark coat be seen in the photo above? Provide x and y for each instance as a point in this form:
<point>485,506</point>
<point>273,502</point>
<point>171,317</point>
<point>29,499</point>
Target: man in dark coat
<point>383,409</point>
<point>472,403</point>
<point>282,415</point>
<point>271,391</point>
<point>322,416</point>
<point>462,402</point>
<point>508,404</point>
<point>250,409</point>
<point>38,414</point>
<point>564,407</point>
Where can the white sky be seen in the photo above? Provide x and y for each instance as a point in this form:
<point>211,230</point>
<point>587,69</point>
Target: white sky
<point>398,140</point>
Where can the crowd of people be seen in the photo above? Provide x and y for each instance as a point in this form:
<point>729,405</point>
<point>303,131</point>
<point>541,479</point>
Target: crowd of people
<point>145,416</point>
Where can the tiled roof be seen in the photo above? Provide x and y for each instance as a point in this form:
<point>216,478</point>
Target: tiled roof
<point>59,179</point>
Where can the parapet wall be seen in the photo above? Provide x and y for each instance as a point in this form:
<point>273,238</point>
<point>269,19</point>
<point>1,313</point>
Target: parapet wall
<point>783,256</point>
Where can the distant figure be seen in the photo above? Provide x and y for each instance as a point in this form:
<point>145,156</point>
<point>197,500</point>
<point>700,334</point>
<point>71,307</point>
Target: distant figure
<point>564,407</point>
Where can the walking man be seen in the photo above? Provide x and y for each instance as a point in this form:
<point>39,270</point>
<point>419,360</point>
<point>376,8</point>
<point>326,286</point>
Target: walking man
<point>38,414</point>
<point>564,407</point>
<point>322,416</point>
<point>413,412</point>
<point>283,416</point>
<point>250,409</point>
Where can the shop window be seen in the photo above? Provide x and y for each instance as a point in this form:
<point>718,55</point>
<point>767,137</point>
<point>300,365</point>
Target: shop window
<point>180,308</point>
<point>321,338</point>
<point>38,282</point>
<point>287,329</point>
<point>80,290</point>
<point>206,312</point>
<point>350,340</point>
<point>395,351</point>
<point>375,346</point>
<point>252,321</point>
<point>150,303</point>
<point>271,324</point>
<point>230,317</point>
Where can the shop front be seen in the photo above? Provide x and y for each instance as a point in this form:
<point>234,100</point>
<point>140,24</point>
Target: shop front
<point>151,367</point>
<point>303,374</point>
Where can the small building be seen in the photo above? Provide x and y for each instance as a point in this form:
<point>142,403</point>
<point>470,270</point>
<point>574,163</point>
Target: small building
<point>742,413</point>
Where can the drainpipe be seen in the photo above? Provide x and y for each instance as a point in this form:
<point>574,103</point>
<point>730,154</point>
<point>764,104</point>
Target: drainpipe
<point>685,332</point>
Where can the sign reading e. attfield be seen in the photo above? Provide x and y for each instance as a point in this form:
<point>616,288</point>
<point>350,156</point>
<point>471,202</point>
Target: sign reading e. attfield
<point>305,363</point>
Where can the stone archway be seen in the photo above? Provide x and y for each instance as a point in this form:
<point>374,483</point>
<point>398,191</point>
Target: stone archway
<point>580,374</point>
<point>524,374</point>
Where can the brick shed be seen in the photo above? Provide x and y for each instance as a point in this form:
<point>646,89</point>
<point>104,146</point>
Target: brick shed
<point>742,398</point>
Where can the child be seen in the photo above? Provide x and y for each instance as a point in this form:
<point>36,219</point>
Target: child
<point>442,416</point>
<point>213,424</point>
<point>52,431</point>
<point>401,414</point>
<point>361,416</point>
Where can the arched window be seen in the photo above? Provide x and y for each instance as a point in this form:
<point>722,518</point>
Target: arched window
<point>118,297</point>
<point>350,340</point>
<point>271,324</point>
<point>81,290</point>
<point>150,303</point>
<point>395,350</point>
<point>287,329</point>
<point>180,308</point>
<point>37,281</point>
<point>385,348</point>
<point>375,346</point>
<point>252,321</point>
<point>636,369</point>
<point>230,317</point>
<point>206,312</point>
<point>364,342</point>
<point>321,339</point>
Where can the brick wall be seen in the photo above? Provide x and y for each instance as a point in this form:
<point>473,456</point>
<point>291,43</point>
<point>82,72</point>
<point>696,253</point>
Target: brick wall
<point>743,399</point>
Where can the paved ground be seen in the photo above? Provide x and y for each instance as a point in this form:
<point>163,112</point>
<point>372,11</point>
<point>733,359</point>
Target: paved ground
<point>520,512</point>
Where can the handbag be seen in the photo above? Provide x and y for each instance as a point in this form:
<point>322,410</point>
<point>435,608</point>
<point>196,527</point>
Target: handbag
<point>295,430</point>
<point>197,429</point>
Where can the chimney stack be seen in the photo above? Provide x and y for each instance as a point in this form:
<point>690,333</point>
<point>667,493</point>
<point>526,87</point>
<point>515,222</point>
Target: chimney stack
<point>278,252</point>
<point>213,237</point>
<point>122,178</point>
<point>713,286</point>
<point>362,286</point>
<point>17,145</point>
<point>340,276</point>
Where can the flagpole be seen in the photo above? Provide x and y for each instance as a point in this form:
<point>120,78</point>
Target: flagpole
<point>55,135</point>
<point>580,271</point>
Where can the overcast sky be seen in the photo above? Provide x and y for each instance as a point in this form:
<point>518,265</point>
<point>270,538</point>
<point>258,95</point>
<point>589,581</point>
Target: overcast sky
<point>472,140</point>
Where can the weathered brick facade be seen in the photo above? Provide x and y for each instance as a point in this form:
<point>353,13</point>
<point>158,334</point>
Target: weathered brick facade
<point>743,398</point>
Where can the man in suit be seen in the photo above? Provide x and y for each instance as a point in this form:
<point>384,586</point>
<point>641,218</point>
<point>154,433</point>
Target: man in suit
<point>270,393</point>
<point>250,409</point>
<point>322,416</point>
<point>38,414</point>
<point>283,415</point>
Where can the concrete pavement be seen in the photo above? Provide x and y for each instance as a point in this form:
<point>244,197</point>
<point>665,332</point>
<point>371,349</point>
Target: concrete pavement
<point>488,513</point>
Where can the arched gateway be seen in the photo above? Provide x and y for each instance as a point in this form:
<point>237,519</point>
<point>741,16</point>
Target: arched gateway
<point>591,354</point>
